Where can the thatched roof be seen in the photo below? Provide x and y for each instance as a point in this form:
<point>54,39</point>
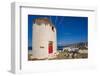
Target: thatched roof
<point>39,21</point>
<point>42,20</point>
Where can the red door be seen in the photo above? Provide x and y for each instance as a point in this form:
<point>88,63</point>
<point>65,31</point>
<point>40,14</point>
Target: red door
<point>50,47</point>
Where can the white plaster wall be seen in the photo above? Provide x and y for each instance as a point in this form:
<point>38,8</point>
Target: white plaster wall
<point>41,36</point>
<point>51,36</point>
<point>55,41</point>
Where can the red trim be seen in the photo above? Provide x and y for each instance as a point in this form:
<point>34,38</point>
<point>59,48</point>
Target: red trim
<point>50,48</point>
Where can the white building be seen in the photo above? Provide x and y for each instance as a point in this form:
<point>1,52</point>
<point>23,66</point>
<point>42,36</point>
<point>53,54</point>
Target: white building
<point>44,43</point>
<point>66,48</point>
<point>71,49</point>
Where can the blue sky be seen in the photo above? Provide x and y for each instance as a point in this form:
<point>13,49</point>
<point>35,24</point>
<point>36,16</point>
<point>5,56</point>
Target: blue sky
<point>70,29</point>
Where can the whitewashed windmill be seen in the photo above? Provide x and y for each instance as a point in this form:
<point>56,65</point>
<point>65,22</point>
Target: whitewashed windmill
<point>44,44</point>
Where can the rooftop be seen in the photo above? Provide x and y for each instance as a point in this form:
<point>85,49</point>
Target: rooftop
<point>42,20</point>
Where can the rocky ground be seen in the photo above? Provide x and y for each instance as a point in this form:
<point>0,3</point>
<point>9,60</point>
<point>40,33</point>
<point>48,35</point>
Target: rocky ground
<point>65,55</point>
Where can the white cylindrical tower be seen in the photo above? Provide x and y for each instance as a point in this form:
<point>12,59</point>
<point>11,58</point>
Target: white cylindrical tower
<point>43,39</point>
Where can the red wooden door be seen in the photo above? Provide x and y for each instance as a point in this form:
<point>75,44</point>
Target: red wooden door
<point>50,47</point>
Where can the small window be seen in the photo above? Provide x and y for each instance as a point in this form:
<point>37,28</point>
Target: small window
<point>52,28</point>
<point>41,46</point>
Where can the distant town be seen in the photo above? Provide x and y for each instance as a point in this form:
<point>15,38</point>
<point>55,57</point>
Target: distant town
<point>77,50</point>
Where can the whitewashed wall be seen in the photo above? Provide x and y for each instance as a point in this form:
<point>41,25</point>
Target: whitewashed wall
<point>42,34</point>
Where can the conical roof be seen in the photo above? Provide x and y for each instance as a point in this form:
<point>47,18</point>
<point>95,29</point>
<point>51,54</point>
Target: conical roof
<point>42,20</point>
